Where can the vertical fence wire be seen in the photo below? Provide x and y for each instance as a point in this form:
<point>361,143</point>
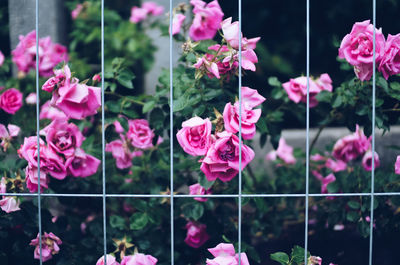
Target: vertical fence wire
<point>103,156</point>
<point>240,133</point>
<point>307,129</point>
<point>371,224</point>
<point>38,130</point>
<point>171,131</point>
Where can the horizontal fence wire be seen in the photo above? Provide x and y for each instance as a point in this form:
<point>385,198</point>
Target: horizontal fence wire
<point>244,195</point>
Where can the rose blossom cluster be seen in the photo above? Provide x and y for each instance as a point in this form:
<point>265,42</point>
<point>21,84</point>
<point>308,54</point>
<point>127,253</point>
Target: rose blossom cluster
<point>221,149</point>
<point>225,254</point>
<point>297,88</point>
<point>76,100</point>
<point>50,54</point>
<point>148,8</point>
<point>50,246</point>
<point>8,203</point>
<point>62,155</point>
<point>7,134</point>
<point>136,259</point>
<point>11,100</point>
<point>357,49</point>
<point>224,60</point>
<point>139,137</point>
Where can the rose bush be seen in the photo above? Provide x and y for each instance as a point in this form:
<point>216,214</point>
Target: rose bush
<point>211,131</point>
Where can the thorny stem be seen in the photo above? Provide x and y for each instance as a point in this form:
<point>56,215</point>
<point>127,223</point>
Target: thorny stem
<point>321,128</point>
<point>125,98</point>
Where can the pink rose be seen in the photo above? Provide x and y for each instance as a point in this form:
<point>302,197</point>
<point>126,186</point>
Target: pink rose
<point>9,204</point>
<point>81,164</point>
<point>249,119</point>
<point>250,97</point>
<point>1,58</point>
<point>121,153</point>
<point>31,99</point>
<point>63,137</point>
<point>11,100</point>
<point>78,101</point>
<point>367,160</point>
<point>152,8</point>
<point>284,152</point>
<point>110,260</point>
<point>224,254</point>
<point>207,20</point>
<point>96,78</point>
<point>222,158</point>
<point>3,185</point>
<point>28,150</point>
<point>137,14</point>
<point>208,66</point>
<point>397,165</point>
<point>47,111</point>
<point>351,146</point>
<point>249,58</point>
<point>197,189</point>
<point>357,47</point>
<point>62,77</point>
<point>7,135</point>
<point>390,63</point>
<point>230,32</point>
<point>297,90</point>
<point>195,136</point>
<point>75,13</point>
<point>140,134</point>
<point>50,54</point>
<point>196,234</point>
<point>335,166</point>
<point>50,246</point>
<point>177,22</point>
<point>324,82</point>
<point>31,179</point>
<point>52,163</point>
<point>139,259</point>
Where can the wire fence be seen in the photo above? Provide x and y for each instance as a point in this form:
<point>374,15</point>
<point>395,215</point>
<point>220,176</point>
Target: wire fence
<point>306,195</point>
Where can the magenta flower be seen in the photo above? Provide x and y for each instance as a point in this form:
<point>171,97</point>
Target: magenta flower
<point>50,246</point>
<point>31,179</point>
<point>197,189</point>
<point>152,8</point>
<point>195,136</point>
<point>390,63</point>
<point>297,90</point>
<point>75,13</point>
<point>357,48</point>
<point>1,58</point>
<point>367,160</point>
<point>81,164</point>
<point>207,20</point>
<point>222,158</point>
<point>139,259</point>
<point>224,254</point>
<point>177,22</point>
<point>50,54</point>
<point>140,134</point>
<point>9,204</point>
<point>284,152</point>
<point>397,165</point>
<point>6,134</point>
<point>351,146</point>
<point>47,111</point>
<point>196,234</point>
<point>324,82</point>
<point>11,100</point>
<point>137,14</point>
<point>121,153</point>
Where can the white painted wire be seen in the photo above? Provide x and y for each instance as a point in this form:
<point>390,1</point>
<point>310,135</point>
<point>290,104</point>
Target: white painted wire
<point>307,130</point>
<point>240,134</point>
<point>38,130</point>
<point>371,224</point>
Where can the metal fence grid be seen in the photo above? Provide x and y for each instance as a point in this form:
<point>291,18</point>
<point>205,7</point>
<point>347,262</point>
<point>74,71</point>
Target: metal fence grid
<point>239,195</point>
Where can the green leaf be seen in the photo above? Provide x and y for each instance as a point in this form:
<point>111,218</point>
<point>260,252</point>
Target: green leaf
<point>138,221</point>
<point>149,105</point>
<point>204,182</point>
<point>280,257</point>
<point>117,222</point>
<point>352,216</point>
<point>324,96</point>
<point>354,205</point>
<point>273,81</point>
<point>193,210</point>
<point>381,82</point>
<point>337,102</point>
<point>123,80</point>
<point>298,255</point>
